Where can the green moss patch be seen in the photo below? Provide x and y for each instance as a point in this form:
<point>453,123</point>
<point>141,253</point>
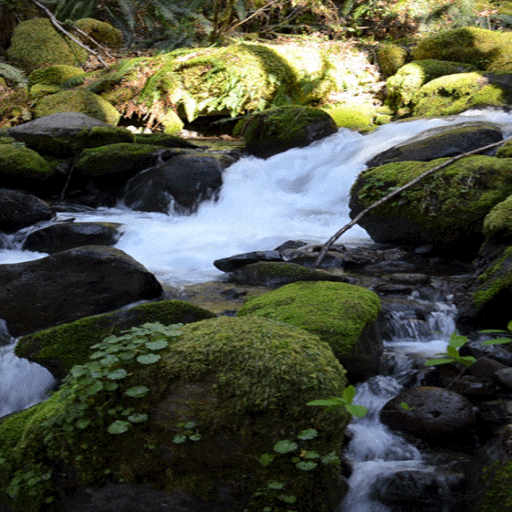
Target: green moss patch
<point>35,43</point>
<point>60,348</point>
<point>18,162</point>
<point>337,312</point>
<point>487,50</point>
<point>54,75</point>
<point>355,116</point>
<point>499,220</point>
<point>390,58</point>
<point>84,102</point>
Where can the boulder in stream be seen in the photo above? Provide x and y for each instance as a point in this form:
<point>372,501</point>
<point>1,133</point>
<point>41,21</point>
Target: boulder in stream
<point>70,285</point>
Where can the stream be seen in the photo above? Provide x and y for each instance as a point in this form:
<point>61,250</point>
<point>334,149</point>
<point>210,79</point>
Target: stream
<point>301,194</point>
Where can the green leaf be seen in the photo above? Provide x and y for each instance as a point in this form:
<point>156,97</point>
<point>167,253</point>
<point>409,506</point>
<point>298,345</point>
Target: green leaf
<point>189,425</point>
<point>406,406</point>
<point>307,434</point>
<point>357,410</point>
<point>266,459</point>
<point>331,459</point>
<point>79,371</point>
<point>468,361</point>
<point>349,393</point>
<point>276,485</point>
<point>497,341</point>
<point>195,437</point>
<point>137,391</point>
<point>138,418</point>
<point>311,455</point>
<point>457,341</point>
<point>109,360</point>
<point>287,498</point>
<point>119,427</point>
<point>118,374</point>
<point>306,465</point>
<point>148,358</point>
<point>95,388</point>
<point>328,402</point>
<point>285,446</point>
<point>452,352</point>
<point>83,423</point>
<point>435,362</point>
<point>111,386</point>
<point>179,438</point>
<point>157,345</point>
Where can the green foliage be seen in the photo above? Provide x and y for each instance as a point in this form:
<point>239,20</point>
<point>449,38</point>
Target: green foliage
<point>342,402</point>
<point>13,75</point>
<point>186,431</point>
<point>288,453</point>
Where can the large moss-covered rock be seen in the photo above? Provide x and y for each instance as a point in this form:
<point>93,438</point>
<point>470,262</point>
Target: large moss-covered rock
<point>487,50</point>
<point>60,348</point>
<point>101,32</point>
<point>446,209</point>
<point>453,94</point>
<point>343,315</point>
<point>54,75</point>
<point>401,88</point>
<point>36,43</point>
<point>355,115</point>
<point>278,129</point>
<point>195,411</point>
<point>81,101</point>
<point>21,167</point>
<point>390,58</point>
<point>498,222</point>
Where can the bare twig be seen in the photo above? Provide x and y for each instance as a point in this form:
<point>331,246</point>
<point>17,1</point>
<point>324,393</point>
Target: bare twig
<point>55,22</point>
<point>395,192</point>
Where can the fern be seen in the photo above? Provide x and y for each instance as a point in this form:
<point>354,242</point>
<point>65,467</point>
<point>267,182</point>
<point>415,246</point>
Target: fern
<point>14,75</point>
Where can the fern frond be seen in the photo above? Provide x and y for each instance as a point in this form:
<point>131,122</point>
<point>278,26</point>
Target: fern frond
<point>15,75</point>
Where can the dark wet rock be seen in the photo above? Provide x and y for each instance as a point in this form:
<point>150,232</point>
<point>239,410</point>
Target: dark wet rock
<point>441,142</point>
<point>384,267</point>
<point>19,210</point>
<point>500,353</point>
<point>181,183</point>
<point>307,257</point>
<point>393,289</point>
<point>486,367</point>
<point>232,294</point>
<point>239,260</point>
<point>70,285</point>
<point>433,413</point>
<point>290,244</point>
<point>496,413</point>
<point>409,278</point>
<point>504,376</point>
<point>68,235</point>
<point>429,490</point>
<point>279,273</point>
<point>119,497</point>
<point>476,388</point>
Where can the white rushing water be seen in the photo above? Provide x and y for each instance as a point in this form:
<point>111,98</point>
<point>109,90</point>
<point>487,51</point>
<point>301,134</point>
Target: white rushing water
<point>299,194</point>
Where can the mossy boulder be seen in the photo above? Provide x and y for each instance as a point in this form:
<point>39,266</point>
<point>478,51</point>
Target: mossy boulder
<point>60,348</point>
<point>117,158</point>
<point>446,209</point>
<point>401,88</point>
<point>81,101</point>
<point>21,167</point>
<point>488,50</point>
<point>195,410</point>
<point>390,58</point>
<point>353,115</point>
<point>279,129</point>
<point>341,314</point>
<point>498,222</point>
<point>36,43</point>
<point>505,151</point>
<point>452,94</point>
<point>54,75</point>
<point>101,32</point>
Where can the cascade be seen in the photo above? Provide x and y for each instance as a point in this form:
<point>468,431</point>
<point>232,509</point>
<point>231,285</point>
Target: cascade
<point>300,194</point>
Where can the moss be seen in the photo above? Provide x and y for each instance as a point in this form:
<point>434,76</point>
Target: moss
<point>54,75</point>
<point>453,94</point>
<point>15,108</point>
<point>115,158</point>
<point>81,101</point>
<point>390,58</point>
<point>336,312</point>
<point>496,495</point>
<point>279,129</point>
<point>35,43</point>
<point>243,381</point>
<point>505,151</point>
<point>447,208</point>
<point>497,279</point>
<point>487,50</point>
<point>499,220</point>
<point>402,87</point>
<point>98,136</point>
<point>101,32</point>
<point>172,123</point>
<point>60,348</point>
<point>355,116</point>
<point>20,162</point>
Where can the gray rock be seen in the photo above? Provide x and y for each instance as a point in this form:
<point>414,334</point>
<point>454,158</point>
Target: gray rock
<point>433,413</point>
<point>504,375</point>
<point>71,285</point>
<point>19,210</point>
<point>441,142</point>
<point>68,235</point>
<point>240,260</point>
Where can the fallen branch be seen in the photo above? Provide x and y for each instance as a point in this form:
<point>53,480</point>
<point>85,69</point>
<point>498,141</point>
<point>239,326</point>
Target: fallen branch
<point>395,192</point>
<point>55,22</point>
